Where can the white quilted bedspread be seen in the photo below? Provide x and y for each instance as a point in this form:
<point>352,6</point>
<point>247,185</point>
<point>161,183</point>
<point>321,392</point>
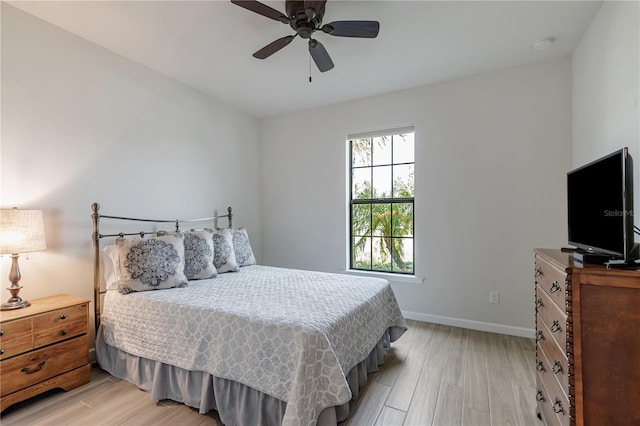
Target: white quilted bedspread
<point>289,333</point>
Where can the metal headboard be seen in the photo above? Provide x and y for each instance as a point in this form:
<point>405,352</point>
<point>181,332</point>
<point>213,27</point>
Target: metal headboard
<point>96,236</point>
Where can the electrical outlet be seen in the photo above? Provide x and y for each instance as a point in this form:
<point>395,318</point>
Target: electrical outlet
<point>494,297</point>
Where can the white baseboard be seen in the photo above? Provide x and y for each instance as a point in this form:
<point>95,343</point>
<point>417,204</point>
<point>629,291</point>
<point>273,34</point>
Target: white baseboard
<point>473,325</point>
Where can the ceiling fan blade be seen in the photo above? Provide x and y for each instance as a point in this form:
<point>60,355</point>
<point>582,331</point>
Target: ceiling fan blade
<point>262,9</point>
<point>316,5</point>
<point>273,47</point>
<point>361,29</point>
<point>320,56</point>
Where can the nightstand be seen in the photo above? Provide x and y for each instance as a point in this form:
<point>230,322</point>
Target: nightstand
<point>42,347</point>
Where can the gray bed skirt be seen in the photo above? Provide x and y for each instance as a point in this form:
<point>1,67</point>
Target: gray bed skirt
<point>236,404</point>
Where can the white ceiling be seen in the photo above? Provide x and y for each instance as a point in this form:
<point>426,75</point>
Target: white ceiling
<point>208,44</point>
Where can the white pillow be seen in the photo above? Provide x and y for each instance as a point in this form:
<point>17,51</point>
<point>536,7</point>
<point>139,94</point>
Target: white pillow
<point>151,263</point>
<point>110,271</point>
<point>242,248</point>
<point>224,258</point>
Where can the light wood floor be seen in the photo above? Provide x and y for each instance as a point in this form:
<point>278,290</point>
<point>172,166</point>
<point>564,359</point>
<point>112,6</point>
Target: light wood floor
<point>434,374</point>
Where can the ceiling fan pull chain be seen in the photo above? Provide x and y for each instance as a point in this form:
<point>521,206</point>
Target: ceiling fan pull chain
<point>309,67</point>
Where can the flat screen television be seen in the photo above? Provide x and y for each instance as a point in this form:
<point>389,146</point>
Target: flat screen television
<point>600,209</point>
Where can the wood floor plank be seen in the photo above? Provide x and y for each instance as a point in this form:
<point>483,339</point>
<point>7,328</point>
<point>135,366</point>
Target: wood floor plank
<point>519,368</point>
<point>449,405</point>
<point>526,404</point>
<point>423,404</point>
<point>473,417</point>
<point>390,417</point>
<point>453,370</point>
<point>501,401</point>
<point>370,405</point>
<point>476,384</point>
<point>402,391</point>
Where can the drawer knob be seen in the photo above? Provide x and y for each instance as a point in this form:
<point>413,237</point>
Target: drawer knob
<point>27,370</point>
<point>539,336</point>
<point>555,287</point>
<point>555,327</point>
<point>63,316</point>
<point>1,333</point>
<point>539,272</point>
<point>557,367</point>
<point>1,351</point>
<point>539,396</point>
<point>557,406</point>
<point>540,366</point>
<point>63,333</point>
<point>539,304</point>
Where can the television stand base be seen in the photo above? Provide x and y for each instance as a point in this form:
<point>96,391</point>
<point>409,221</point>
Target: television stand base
<point>588,257</point>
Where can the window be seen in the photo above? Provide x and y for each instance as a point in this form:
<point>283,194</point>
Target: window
<point>381,201</point>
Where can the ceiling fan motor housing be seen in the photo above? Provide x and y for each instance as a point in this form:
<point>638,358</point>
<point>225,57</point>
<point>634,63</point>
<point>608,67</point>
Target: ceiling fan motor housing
<point>303,21</point>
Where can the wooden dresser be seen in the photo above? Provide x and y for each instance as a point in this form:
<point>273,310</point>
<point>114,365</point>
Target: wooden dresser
<point>42,347</point>
<point>587,342</point>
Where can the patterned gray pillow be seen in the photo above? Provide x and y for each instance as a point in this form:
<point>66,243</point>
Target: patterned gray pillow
<point>242,248</point>
<point>198,255</point>
<point>224,257</point>
<point>151,264</point>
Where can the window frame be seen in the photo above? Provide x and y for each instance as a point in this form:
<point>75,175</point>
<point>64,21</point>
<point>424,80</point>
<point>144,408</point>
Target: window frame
<point>391,201</point>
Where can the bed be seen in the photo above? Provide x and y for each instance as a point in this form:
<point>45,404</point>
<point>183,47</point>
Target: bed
<point>259,344</point>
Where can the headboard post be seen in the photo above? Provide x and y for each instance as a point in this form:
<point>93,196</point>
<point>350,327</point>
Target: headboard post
<point>230,217</point>
<point>95,216</point>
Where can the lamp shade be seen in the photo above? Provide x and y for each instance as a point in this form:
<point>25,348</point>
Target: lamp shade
<point>21,231</point>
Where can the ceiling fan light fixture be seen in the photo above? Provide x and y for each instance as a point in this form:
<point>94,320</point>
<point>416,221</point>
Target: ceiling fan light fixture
<point>543,43</point>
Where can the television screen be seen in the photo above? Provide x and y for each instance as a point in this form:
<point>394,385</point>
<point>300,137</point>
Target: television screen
<point>599,208</point>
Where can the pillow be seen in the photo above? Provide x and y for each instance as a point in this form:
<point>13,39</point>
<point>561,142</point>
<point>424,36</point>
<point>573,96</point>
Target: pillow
<point>224,258</point>
<point>151,264</point>
<point>198,255</point>
<point>110,271</point>
<point>242,248</point>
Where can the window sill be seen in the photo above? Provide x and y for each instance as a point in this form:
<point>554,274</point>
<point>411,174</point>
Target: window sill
<point>393,278</point>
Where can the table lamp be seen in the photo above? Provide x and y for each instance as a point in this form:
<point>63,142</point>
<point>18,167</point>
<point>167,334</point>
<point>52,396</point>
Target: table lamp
<point>21,231</point>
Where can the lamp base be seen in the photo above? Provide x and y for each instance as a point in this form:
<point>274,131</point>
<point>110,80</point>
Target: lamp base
<point>14,304</point>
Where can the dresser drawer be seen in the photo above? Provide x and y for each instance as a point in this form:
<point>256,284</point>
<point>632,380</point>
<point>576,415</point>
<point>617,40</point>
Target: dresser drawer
<point>60,324</point>
<point>552,280</point>
<point>15,337</point>
<point>544,404</point>
<point>553,317</point>
<point>25,370</point>
<point>557,400</point>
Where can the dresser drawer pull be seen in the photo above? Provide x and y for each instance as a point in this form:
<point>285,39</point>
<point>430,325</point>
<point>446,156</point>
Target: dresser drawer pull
<point>27,370</point>
<point>555,287</point>
<point>63,333</point>
<point>557,367</point>
<point>538,272</point>
<point>539,336</point>
<point>540,396</point>
<point>63,316</point>
<point>555,327</point>
<point>540,366</point>
<point>1,351</point>
<point>557,406</point>
<point>1,333</point>
<point>539,304</point>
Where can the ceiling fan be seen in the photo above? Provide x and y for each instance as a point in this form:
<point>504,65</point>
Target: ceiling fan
<point>305,17</point>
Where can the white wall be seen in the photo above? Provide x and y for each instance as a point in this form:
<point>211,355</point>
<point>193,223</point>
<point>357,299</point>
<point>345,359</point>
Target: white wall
<point>606,88</point>
<point>82,124</point>
<point>492,152</point>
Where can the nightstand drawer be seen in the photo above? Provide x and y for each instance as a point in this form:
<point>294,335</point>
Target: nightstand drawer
<point>59,325</point>
<point>25,370</point>
<point>15,337</point>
